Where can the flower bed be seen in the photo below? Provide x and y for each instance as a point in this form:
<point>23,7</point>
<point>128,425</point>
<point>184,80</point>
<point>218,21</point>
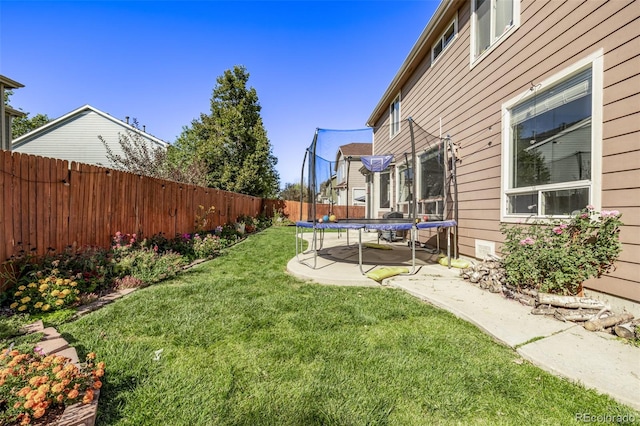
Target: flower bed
<point>35,388</point>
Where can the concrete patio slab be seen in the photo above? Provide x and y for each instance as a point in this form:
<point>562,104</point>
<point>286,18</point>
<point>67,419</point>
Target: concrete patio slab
<point>506,320</point>
<point>595,360</point>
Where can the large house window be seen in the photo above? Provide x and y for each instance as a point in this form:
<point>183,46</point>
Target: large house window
<point>444,40</point>
<point>492,18</point>
<point>394,117</point>
<point>432,177</point>
<point>550,149</point>
<point>385,190</point>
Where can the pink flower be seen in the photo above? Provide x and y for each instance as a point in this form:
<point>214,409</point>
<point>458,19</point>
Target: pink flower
<point>584,216</point>
<point>527,241</point>
<point>590,207</point>
<point>557,230</point>
<point>609,213</point>
<point>118,234</point>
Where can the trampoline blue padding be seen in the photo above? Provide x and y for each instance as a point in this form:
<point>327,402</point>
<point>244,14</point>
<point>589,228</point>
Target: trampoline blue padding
<point>377,224</point>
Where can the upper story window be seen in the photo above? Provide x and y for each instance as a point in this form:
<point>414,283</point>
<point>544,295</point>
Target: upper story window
<point>445,39</point>
<point>394,117</point>
<point>492,19</point>
<point>549,142</point>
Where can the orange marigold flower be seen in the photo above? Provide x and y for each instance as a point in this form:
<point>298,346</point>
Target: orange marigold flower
<point>100,365</point>
<point>60,398</point>
<point>40,396</point>
<point>73,394</point>
<point>91,355</point>
<point>88,397</point>
<point>28,404</point>
<point>17,404</point>
<point>55,369</point>
<point>25,420</point>
<point>97,384</point>
<point>38,413</point>
<point>24,391</point>
<point>99,372</point>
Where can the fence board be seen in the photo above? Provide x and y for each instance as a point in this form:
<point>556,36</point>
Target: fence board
<point>7,206</point>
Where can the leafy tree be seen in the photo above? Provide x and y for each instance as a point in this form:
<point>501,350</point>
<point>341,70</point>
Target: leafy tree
<point>232,139</point>
<point>291,191</point>
<point>23,125</point>
<point>139,156</point>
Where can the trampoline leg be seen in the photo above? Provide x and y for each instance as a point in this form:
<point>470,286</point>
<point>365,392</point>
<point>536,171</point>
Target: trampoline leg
<point>448,248</point>
<point>414,232</point>
<point>359,249</point>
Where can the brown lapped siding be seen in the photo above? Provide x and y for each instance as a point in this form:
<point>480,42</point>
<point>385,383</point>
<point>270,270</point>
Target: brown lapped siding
<point>468,100</point>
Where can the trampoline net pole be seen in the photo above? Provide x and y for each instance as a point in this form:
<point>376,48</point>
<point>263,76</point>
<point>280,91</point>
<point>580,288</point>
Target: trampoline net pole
<point>414,201</point>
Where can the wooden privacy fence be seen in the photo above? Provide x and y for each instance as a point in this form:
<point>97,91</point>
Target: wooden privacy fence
<point>48,205</point>
<point>292,209</point>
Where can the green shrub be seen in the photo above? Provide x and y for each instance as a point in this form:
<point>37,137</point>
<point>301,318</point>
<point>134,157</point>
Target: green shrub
<point>207,246</point>
<point>44,294</point>
<point>557,256</point>
<point>147,265</point>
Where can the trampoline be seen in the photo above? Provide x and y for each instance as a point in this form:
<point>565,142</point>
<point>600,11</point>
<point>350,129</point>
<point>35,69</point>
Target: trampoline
<point>324,173</point>
<point>369,225</point>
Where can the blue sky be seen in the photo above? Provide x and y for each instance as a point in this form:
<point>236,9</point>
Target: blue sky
<point>321,64</point>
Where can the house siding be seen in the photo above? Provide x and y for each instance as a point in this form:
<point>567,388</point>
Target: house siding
<point>468,97</point>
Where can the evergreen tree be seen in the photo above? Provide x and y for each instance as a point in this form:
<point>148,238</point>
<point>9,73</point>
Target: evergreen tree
<point>232,139</point>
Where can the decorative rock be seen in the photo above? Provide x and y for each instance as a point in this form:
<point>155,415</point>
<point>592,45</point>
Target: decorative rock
<point>52,346</point>
<point>50,333</point>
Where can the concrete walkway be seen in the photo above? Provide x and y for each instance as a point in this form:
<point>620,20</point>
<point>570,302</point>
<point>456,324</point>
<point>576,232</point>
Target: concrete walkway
<point>595,360</point>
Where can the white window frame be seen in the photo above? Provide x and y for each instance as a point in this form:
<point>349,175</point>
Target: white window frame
<point>355,193</point>
<point>400,204</point>
<point>438,200</point>
<point>595,61</point>
<point>441,40</point>
<point>394,116</point>
<point>389,173</point>
<point>496,39</point>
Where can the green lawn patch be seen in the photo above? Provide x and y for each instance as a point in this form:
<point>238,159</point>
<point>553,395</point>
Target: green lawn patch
<point>243,343</point>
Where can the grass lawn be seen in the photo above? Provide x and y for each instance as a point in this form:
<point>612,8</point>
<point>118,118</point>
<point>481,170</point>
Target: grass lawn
<point>243,343</point>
